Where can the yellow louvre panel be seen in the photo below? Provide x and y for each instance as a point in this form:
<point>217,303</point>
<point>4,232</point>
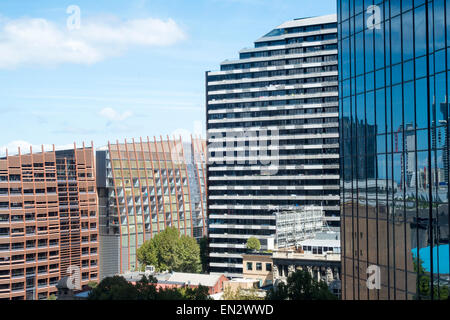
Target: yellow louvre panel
<point>132,228</point>
<point>140,228</point>
<point>114,154</point>
<point>124,229</point>
<point>115,163</point>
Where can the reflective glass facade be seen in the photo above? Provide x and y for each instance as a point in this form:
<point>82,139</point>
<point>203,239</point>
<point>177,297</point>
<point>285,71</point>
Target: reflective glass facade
<point>394,86</point>
<point>144,187</point>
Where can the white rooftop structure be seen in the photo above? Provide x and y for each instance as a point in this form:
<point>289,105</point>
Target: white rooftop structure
<point>308,21</point>
<point>195,279</point>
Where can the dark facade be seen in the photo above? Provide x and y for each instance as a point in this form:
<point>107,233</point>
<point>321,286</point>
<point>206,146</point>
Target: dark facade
<point>272,120</point>
<point>394,86</point>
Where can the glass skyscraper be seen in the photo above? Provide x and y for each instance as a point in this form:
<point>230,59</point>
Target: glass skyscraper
<point>394,86</point>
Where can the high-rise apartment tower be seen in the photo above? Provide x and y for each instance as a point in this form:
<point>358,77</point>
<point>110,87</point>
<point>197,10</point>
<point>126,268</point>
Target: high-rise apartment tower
<point>272,121</point>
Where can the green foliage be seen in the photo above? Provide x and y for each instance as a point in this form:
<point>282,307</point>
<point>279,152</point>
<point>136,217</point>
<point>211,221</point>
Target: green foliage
<point>117,288</point>
<point>92,284</point>
<point>253,244</point>
<point>204,253</point>
<point>424,284</point>
<point>241,294</point>
<point>114,288</point>
<point>301,286</point>
<point>199,293</point>
<point>51,297</point>
<point>170,251</point>
<point>280,292</point>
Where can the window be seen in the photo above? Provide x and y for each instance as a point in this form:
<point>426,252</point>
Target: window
<point>249,265</point>
<point>258,266</point>
<point>268,267</point>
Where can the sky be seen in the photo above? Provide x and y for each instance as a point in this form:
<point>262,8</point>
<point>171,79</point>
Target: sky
<point>83,70</point>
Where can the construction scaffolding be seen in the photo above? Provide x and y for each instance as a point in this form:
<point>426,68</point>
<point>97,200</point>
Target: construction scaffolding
<point>295,225</point>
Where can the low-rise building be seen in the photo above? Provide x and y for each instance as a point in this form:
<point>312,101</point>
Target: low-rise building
<point>241,283</point>
<point>214,282</point>
<point>258,266</point>
<point>320,256</point>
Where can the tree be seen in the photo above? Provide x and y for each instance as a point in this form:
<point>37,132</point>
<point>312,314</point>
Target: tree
<point>199,293</point>
<point>170,251</point>
<point>117,288</point>
<point>301,286</point>
<point>241,294</point>
<point>52,297</point>
<point>204,253</point>
<point>114,288</point>
<point>424,284</point>
<point>253,244</point>
<point>187,255</point>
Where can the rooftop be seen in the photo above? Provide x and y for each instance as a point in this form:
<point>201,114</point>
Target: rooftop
<point>207,280</point>
<point>308,21</point>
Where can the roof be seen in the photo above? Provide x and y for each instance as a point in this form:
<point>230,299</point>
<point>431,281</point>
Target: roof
<point>321,243</point>
<point>84,294</point>
<point>308,21</point>
<point>328,236</point>
<point>207,280</point>
<point>440,258</point>
<point>243,280</point>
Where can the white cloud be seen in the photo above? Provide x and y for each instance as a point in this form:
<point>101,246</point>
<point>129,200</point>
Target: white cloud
<point>113,115</point>
<point>39,41</point>
<point>24,146</point>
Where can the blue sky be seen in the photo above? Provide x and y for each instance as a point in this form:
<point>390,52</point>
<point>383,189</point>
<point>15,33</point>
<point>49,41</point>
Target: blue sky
<point>133,68</point>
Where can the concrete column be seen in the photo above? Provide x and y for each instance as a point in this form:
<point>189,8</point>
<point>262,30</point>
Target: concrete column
<point>310,270</point>
<point>291,269</point>
<point>330,276</point>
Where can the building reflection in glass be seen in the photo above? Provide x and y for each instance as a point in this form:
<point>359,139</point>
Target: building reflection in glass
<point>394,123</point>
